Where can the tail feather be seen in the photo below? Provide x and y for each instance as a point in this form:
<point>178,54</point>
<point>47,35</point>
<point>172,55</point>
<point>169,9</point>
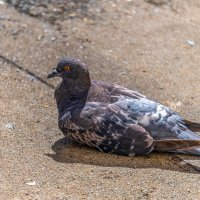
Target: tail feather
<point>176,144</point>
<point>193,126</point>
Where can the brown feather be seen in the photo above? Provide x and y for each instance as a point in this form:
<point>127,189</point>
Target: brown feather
<point>192,125</point>
<point>176,144</point>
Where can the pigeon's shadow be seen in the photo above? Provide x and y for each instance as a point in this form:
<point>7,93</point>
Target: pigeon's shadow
<point>68,152</point>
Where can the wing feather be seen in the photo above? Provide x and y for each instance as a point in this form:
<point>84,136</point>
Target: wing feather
<point>120,134</point>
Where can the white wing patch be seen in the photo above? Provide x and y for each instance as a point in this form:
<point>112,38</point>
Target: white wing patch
<point>153,116</point>
<point>145,120</point>
<point>160,112</point>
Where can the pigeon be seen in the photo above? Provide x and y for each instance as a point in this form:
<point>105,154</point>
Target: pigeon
<point>115,119</point>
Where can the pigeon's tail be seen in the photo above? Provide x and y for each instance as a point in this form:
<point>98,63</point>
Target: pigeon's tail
<point>176,145</point>
<point>192,125</point>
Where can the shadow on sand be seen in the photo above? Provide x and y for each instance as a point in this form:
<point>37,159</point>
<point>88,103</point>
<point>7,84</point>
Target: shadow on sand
<point>68,152</point>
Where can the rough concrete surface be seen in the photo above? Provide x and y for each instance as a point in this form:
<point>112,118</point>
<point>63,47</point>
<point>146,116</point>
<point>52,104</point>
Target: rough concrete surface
<point>149,45</point>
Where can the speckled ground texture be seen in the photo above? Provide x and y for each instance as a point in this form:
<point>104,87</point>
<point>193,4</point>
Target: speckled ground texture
<point>149,45</point>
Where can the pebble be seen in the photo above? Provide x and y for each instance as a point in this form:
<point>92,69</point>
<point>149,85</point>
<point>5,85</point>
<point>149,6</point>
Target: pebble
<point>191,42</point>
<point>35,11</point>
<point>156,10</point>
<point>114,5</point>
<point>72,15</point>
<point>15,32</point>
<point>2,17</point>
<point>53,38</point>
<point>39,37</point>
<point>31,78</point>
<point>57,10</point>
<point>10,126</point>
<point>123,73</point>
<point>125,62</point>
<point>31,183</point>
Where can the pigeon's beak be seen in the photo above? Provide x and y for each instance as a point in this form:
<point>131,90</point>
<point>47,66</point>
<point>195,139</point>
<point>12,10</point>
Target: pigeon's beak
<point>53,74</point>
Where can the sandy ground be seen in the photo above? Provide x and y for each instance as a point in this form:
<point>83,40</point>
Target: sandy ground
<point>152,46</point>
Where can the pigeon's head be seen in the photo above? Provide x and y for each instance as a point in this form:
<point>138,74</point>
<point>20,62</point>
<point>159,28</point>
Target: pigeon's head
<point>70,69</point>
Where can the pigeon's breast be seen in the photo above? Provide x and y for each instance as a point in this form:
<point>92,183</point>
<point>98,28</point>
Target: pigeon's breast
<point>77,133</point>
<point>65,124</point>
<point>87,137</point>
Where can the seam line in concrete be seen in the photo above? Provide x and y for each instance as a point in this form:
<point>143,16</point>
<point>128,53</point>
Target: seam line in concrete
<point>192,167</point>
<point>17,66</point>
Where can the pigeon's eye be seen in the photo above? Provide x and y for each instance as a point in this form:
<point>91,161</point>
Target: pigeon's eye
<point>66,68</point>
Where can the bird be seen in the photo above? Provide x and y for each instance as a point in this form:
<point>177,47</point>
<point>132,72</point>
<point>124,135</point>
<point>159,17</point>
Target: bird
<point>115,119</point>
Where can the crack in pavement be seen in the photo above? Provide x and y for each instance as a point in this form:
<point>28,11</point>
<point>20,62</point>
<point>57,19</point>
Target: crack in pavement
<point>185,164</point>
<point>17,66</point>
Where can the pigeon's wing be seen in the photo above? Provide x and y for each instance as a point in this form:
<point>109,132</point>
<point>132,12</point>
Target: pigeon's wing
<point>105,92</point>
<point>119,133</point>
<point>132,140</point>
<point>119,90</point>
<point>161,122</point>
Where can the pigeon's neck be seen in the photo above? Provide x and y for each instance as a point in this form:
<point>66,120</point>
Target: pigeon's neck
<point>71,95</point>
